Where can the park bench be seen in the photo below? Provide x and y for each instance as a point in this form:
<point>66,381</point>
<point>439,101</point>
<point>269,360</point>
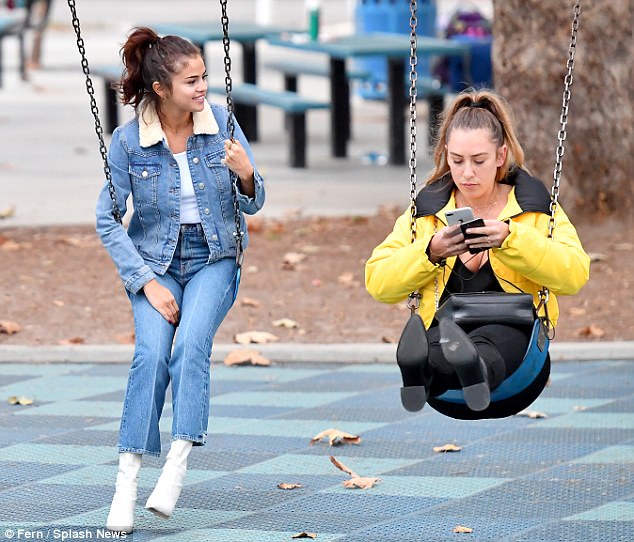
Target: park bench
<point>292,104</point>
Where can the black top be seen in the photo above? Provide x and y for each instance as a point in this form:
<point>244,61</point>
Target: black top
<point>462,280</point>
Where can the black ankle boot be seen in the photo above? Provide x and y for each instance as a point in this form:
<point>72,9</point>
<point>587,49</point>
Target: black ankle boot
<point>461,353</point>
<point>411,356</point>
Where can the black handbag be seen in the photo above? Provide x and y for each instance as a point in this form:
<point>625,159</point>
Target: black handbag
<point>480,308</point>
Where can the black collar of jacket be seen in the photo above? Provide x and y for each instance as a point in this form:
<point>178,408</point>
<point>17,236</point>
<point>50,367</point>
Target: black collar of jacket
<point>530,193</point>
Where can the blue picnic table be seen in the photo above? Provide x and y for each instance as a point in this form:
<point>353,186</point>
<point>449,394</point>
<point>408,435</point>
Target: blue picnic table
<point>394,47</point>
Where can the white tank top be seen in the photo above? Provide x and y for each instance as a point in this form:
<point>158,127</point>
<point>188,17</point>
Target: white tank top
<point>189,207</point>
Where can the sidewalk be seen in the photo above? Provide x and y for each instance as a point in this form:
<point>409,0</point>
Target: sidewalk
<point>564,477</point>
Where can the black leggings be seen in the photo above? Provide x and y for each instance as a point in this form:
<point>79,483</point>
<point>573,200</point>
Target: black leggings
<point>501,347</point>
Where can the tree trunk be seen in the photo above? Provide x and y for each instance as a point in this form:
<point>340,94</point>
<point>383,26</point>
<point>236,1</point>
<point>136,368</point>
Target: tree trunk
<point>530,50</point>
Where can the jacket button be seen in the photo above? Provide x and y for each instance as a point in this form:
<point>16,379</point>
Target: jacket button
<point>214,237</point>
<point>144,173</point>
<point>201,186</point>
<point>195,160</point>
<point>207,211</point>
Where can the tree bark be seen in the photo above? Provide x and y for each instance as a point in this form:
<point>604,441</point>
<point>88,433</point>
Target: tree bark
<point>530,50</point>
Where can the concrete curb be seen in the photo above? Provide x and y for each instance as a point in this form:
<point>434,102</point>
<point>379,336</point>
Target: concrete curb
<point>292,353</point>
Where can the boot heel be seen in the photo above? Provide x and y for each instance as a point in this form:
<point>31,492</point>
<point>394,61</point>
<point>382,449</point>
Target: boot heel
<point>413,398</point>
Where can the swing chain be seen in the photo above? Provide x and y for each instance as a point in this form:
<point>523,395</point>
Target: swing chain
<point>226,43</point>
<point>563,119</point>
<point>413,92</point>
<point>94,109</point>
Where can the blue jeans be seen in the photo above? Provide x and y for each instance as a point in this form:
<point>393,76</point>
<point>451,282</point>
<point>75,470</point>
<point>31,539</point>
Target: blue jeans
<point>204,293</point>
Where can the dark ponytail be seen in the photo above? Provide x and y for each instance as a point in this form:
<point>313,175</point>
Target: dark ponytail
<point>148,58</point>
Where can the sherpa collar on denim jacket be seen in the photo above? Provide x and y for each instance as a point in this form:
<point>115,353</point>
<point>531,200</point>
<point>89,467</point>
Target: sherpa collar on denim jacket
<point>151,131</point>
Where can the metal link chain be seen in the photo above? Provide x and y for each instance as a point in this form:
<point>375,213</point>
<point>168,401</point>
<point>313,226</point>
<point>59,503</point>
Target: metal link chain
<point>94,110</point>
<point>544,293</point>
<point>563,119</point>
<point>413,92</point>
<point>226,43</point>
<point>413,301</point>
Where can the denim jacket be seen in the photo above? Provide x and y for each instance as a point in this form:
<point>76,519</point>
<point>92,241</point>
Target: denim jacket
<point>142,165</point>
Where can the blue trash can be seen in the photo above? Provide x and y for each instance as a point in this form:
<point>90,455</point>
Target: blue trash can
<point>481,67</point>
<point>390,16</point>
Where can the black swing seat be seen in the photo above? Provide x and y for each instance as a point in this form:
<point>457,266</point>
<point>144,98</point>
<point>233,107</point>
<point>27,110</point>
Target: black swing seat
<point>515,393</point>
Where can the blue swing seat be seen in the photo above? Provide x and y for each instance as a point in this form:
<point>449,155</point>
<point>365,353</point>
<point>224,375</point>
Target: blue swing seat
<point>515,393</point>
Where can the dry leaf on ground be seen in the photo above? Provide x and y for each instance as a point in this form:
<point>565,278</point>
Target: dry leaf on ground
<point>71,341</point>
<point>257,337</point>
<point>335,437</point>
<point>24,401</point>
<point>462,529</point>
<point>7,212</point>
<point>10,328</point>
<point>305,535</point>
<point>292,259</point>
<point>342,467</point>
<point>286,323</point>
<point>447,448</point>
<point>249,302</point>
<point>287,486</point>
<point>533,414</point>
<point>360,482</point>
<point>576,311</point>
<point>591,331</point>
<point>243,356</point>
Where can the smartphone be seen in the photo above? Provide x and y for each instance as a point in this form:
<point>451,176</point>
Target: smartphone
<point>459,216</point>
<point>475,223</point>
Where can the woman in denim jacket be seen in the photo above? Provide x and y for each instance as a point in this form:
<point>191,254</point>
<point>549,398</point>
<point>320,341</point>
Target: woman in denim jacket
<point>177,258</point>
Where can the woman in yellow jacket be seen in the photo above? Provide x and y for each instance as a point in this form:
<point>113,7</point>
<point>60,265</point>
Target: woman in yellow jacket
<point>479,163</point>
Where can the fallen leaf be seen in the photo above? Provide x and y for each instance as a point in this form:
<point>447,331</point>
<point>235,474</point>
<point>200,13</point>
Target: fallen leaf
<point>360,482</point>
<point>335,437</point>
<point>305,535</point>
<point>625,247</point>
<point>286,323</point>
<point>24,401</point>
<point>7,212</point>
<point>252,269</point>
<point>287,486</point>
<point>462,529</point>
<point>311,249</point>
<point>246,357</point>
<point>10,328</point>
<point>72,340</point>
<point>596,256</point>
<point>577,311</point>
<point>447,448</point>
<point>257,337</point>
<point>316,282</point>
<point>255,224</point>
<point>388,340</point>
<point>249,302</point>
<point>591,331</point>
<point>58,302</point>
<point>533,414</point>
<point>579,408</point>
<point>342,467</point>
<point>293,258</point>
<point>346,278</point>
<point>10,245</point>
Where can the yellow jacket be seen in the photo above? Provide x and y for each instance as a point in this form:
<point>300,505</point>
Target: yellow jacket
<point>526,261</point>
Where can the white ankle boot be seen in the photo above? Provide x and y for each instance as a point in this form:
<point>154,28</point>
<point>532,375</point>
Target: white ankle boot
<point>168,488</point>
<point>121,516</point>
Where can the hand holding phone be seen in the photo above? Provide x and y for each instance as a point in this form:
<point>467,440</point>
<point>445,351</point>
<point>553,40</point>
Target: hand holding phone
<point>465,226</point>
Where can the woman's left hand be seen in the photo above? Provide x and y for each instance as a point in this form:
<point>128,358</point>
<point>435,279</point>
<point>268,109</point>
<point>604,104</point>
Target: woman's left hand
<point>491,235</point>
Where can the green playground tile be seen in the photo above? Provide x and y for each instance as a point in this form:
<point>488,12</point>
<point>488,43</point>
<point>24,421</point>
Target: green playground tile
<point>259,374</point>
<point>281,399</point>
<point>612,511</point>
<point>282,427</point>
<point>556,405</point>
<point>64,388</point>
<point>589,420</point>
<point>612,454</point>
<point>438,487</point>
<point>58,454</point>
<point>104,475</point>
<point>92,409</point>
<point>318,465</point>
